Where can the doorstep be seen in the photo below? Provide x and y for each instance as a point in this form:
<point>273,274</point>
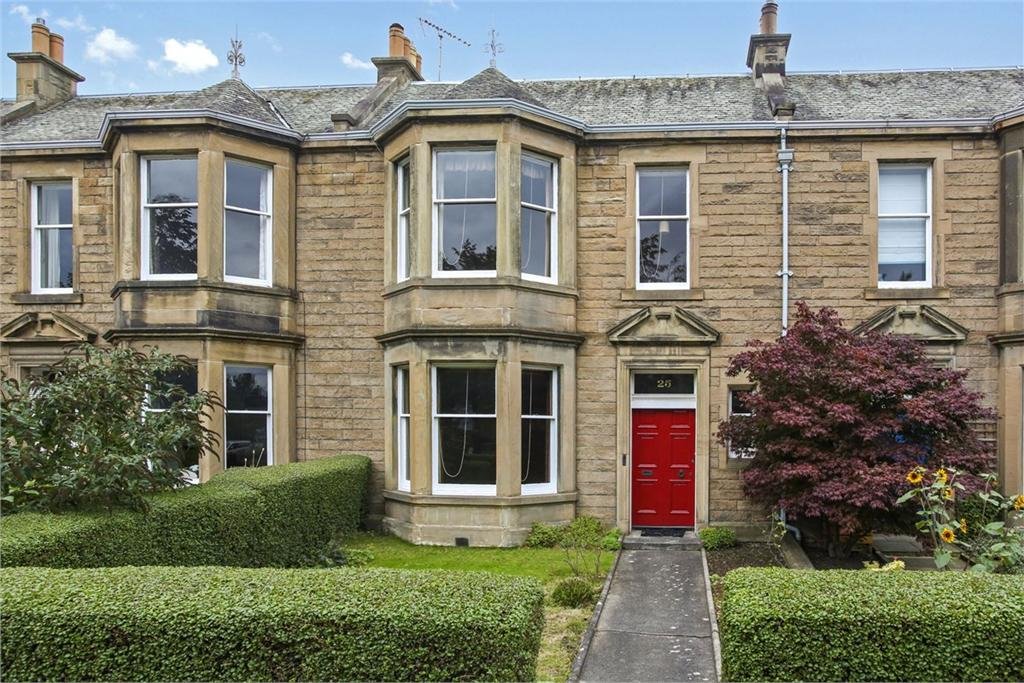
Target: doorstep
<point>635,540</point>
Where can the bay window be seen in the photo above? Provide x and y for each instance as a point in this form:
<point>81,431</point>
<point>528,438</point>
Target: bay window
<point>465,232</point>
<point>247,223</point>
<point>539,448</point>
<point>247,416</point>
<point>169,218</point>
<point>52,251</point>
<point>904,225</point>
<point>402,419</point>
<point>176,385</point>
<point>465,430</point>
<point>538,233</point>
<point>662,228</point>
<point>403,208</point>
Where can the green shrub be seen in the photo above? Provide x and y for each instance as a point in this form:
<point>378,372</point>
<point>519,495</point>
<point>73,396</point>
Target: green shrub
<point>572,592</point>
<point>544,536</point>
<point>784,625</point>
<point>233,624</point>
<point>717,537</point>
<point>267,516</point>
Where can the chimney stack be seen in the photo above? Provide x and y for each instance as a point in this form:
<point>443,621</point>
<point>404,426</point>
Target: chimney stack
<point>42,78</point>
<point>403,61</point>
<point>766,58</point>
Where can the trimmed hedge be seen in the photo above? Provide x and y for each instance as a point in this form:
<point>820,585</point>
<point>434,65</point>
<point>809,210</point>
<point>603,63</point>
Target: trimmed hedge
<point>270,516</point>
<point>783,625</point>
<point>232,624</point>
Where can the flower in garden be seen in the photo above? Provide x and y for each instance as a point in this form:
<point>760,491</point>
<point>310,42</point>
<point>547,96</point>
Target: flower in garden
<point>941,476</point>
<point>948,493</point>
<point>947,535</point>
<point>963,525</point>
<point>914,477</point>
<point>1018,502</point>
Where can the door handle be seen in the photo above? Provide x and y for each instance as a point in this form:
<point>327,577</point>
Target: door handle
<point>647,473</point>
<point>682,474</point>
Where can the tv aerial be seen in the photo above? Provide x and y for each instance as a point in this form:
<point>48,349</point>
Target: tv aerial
<point>442,33</point>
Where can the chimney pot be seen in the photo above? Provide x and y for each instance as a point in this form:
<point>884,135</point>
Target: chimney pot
<point>407,48</point>
<point>769,18</point>
<point>40,37</point>
<point>57,47</point>
<point>396,40</point>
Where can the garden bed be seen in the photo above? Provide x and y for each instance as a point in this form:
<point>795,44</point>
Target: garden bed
<point>563,627</point>
<point>724,560</point>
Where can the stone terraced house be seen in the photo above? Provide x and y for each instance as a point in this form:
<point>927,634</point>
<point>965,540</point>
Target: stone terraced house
<point>519,298</point>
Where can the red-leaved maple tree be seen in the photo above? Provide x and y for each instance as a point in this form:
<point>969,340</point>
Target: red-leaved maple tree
<point>838,419</point>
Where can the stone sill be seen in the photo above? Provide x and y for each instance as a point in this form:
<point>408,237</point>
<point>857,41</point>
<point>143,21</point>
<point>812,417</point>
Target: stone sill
<point>902,293</point>
<point>479,283</point>
<point>488,501</point>
<point>144,285</point>
<point>640,295</point>
<point>1010,288</point>
<point>26,298</point>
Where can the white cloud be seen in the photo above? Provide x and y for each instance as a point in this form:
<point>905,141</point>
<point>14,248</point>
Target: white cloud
<point>270,40</point>
<point>449,3</point>
<point>106,46</point>
<point>353,62</point>
<point>78,23</point>
<point>27,15</point>
<point>189,57</point>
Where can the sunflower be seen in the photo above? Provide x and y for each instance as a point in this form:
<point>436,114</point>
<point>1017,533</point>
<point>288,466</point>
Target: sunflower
<point>947,535</point>
<point>948,493</point>
<point>963,525</point>
<point>1018,502</point>
<point>941,476</point>
<point>914,477</point>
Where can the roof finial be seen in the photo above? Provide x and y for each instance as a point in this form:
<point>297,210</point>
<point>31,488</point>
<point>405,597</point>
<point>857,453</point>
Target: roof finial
<point>235,56</point>
<point>494,48</point>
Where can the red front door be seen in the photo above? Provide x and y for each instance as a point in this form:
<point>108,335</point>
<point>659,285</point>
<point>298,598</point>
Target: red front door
<point>663,467</point>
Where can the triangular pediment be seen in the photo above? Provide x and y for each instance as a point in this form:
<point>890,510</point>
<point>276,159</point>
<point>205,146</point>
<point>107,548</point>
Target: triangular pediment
<point>47,327</point>
<point>918,321</point>
<point>668,325</point>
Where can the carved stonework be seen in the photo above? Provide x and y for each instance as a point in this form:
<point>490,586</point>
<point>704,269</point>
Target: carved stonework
<point>663,325</point>
<point>924,323</point>
<point>45,328</point>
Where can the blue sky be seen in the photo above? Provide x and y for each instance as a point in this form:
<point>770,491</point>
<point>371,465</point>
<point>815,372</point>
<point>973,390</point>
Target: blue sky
<point>150,46</point>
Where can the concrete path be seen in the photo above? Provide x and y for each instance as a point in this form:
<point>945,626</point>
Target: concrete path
<point>655,625</point>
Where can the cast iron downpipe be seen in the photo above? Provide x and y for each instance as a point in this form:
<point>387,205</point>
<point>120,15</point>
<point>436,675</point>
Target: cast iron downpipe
<point>785,164</point>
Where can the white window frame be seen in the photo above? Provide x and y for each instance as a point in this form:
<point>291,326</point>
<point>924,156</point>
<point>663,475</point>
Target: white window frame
<point>552,211</point>
<point>146,263</point>
<point>403,216</point>
<point>662,401</point>
<point>458,489</point>
<point>191,478</point>
<point>36,242</point>
<point>636,228</point>
<point>266,226</point>
<point>269,412</point>
<point>438,205</point>
<point>403,427</point>
<point>551,486</point>
<point>928,248</point>
<point>738,453</point>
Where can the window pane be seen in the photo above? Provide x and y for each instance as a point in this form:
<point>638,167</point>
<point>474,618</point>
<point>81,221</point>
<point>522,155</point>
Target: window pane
<point>537,392</point>
<point>465,391</point>
<point>902,190</point>
<point>56,260</point>
<point>738,402</point>
<point>246,388</point>
<point>172,181</point>
<point>536,183</point>
<point>536,451</point>
<point>465,175</point>
<point>402,390</point>
<point>172,240</point>
<point>662,192</point>
<point>245,440</point>
<point>243,245</point>
<point>663,383</point>
<point>247,186</point>
<point>467,448</point>
<point>403,234</point>
<point>468,237</point>
<point>663,251</point>
<point>535,240</point>
<point>403,199</point>
<point>901,249</point>
<point>187,380</point>
<point>54,206</point>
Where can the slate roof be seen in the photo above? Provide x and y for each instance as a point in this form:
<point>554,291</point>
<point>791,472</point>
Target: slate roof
<point>947,94</point>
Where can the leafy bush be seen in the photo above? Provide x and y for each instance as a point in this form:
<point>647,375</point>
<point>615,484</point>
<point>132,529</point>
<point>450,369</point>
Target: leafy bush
<point>585,541</point>
<point>784,625</point>
<point>572,592</point>
<point>544,535</point>
<point>837,418</point>
<point>79,436</point>
<point>717,537</point>
<point>231,624</point>
<point>277,515</point>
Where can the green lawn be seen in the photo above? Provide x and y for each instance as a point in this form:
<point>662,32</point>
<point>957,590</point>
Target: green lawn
<point>563,627</point>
